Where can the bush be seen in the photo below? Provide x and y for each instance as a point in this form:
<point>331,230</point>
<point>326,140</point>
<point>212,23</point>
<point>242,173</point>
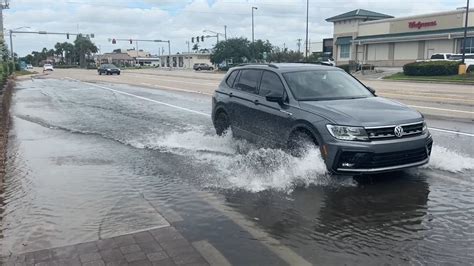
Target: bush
<point>366,67</point>
<point>345,67</point>
<point>431,68</point>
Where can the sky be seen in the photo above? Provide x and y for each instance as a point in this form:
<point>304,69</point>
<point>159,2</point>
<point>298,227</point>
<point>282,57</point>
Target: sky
<point>281,22</point>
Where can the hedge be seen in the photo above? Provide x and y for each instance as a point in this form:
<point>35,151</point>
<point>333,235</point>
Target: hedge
<point>431,68</point>
<point>345,67</point>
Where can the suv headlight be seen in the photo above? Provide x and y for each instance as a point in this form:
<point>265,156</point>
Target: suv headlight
<point>425,128</point>
<point>347,133</point>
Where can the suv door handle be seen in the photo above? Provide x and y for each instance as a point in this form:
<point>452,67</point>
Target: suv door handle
<point>256,102</point>
<point>231,94</point>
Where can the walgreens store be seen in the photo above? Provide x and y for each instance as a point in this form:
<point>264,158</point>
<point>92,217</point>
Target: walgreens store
<point>369,37</point>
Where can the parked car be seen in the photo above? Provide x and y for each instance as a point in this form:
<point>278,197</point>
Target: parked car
<point>438,57</point>
<point>47,67</point>
<point>202,66</point>
<point>29,66</point>
<point>468,60</point>
<point>328,62</point>
<point>295,106</point>
<point>108,69</point>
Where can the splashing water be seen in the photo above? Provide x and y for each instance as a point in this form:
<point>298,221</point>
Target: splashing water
<point>447,160</point>
<point>242,165</point>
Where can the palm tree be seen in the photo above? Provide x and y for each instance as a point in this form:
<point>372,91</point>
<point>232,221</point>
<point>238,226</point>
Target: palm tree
<point>60,50</point>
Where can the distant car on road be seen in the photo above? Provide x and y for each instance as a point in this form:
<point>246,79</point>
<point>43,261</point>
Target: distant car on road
<point>108,69</point>
<point>202,66</point>
<point>298,106</point>
<point>47,67</point>
<point>29,66</point>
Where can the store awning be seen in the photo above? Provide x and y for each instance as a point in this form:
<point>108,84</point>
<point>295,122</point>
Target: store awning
<point>343,40</point>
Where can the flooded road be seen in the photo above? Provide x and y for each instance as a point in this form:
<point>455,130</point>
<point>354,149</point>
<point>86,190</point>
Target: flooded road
<point>88,161</point>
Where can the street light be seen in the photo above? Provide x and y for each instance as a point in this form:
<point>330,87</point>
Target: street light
<point>215,32</point>
<point>253,36</point>
<point>11,41</point>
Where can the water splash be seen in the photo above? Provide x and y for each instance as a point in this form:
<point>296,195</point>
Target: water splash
<point>448,160</point>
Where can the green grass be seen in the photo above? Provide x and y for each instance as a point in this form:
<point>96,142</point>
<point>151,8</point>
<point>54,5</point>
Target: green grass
<point>25,72</point>
<point>462,79</point>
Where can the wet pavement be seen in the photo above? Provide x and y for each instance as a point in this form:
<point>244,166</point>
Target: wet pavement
<point>95,161</point>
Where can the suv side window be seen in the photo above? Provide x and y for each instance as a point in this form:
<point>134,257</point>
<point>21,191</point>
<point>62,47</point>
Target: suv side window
<point>230,80</point>
<point>437,56</point>
<point>271,82</point>
<point>248,80</point>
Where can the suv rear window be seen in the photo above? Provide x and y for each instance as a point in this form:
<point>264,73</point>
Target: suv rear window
<point>248,80</point>
<point>230,80</point>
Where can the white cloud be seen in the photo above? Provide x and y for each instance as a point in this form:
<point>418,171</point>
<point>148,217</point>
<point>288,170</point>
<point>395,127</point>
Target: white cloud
<point>178,20</point>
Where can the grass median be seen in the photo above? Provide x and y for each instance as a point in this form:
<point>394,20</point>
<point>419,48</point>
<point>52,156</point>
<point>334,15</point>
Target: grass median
<point>458,79</point>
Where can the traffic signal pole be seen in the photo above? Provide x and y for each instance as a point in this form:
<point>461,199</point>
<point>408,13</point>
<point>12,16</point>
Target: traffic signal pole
<point>40,32</point>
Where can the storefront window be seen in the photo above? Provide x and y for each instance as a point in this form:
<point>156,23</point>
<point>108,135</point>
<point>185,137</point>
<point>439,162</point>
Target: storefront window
<point>469,45</point>
<point>345,51</point>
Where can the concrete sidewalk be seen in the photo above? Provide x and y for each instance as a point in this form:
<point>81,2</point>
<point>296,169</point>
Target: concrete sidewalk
<point>163,246</point>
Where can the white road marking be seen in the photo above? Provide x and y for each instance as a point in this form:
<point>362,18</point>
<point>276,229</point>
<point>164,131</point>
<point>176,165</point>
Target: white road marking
<point>441,109</point>
<point>208,115</point>
<point>451,131</point>
<point>210,253</point>
<point>144,98</point>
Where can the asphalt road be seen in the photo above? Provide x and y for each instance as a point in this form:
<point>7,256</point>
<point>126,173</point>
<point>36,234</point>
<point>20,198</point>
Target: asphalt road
<point>90,160</point>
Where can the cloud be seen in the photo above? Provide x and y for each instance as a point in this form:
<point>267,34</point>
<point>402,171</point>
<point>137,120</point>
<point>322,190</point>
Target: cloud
<point>178,20</point>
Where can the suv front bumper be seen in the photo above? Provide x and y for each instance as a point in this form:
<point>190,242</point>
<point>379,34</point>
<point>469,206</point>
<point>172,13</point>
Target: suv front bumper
<point>350,157</point>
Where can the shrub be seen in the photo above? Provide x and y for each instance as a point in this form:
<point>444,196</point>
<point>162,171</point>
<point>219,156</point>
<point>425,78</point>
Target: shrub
<point>431,68</point>
<point>66,66</point>
<point>345,67</point>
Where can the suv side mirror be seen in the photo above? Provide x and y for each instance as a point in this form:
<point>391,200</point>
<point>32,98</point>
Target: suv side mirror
<point>371,90</point>
<point>275,97</point>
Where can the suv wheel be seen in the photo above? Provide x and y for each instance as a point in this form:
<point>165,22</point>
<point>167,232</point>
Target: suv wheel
<point>211,68</point>
<point>198,69</point>
<point>300,143</point>
<point>221,123</point>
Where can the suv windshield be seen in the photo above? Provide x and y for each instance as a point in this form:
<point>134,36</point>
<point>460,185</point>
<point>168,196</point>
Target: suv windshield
<point>317,85</point>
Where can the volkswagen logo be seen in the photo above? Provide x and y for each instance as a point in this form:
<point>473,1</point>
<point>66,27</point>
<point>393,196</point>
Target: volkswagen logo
<point>398,131</point>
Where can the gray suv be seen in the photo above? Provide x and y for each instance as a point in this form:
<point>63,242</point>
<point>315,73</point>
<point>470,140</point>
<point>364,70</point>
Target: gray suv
<point>295,106</point>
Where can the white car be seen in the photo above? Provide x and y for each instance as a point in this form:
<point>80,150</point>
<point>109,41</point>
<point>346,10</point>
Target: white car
<point>48,67</point>
<point>468,60</point>
<point>29,66</point>
<point>328,62</point>
<point>438,57</point>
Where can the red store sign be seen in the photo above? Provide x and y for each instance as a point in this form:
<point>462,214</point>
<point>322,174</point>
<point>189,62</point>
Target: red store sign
<point>419,24</point>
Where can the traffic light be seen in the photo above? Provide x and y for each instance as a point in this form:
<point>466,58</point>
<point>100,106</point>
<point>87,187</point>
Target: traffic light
<point>197,39</point>
<point>202,38</point>
<point>192,39</point>
<point>67,36</point>
<point>114,41</point>
<point>131,41</point>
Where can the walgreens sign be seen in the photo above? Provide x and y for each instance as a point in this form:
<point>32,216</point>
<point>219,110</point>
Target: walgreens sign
<point>419,24</point>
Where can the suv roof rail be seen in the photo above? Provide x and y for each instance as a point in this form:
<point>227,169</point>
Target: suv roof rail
<point>259,64</point>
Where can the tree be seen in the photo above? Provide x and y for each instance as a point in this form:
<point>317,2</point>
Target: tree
<point>195,47</point>
<point>258,48</point>
<point>235,49</point>
<point>285,56</point>
<point>68,52</point>
<point>3,51</point>
<point>83,48</point>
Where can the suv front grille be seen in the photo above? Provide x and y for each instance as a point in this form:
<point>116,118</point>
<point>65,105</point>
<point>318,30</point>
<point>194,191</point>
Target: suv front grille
<point>383,133</point>
<point>359,160</point>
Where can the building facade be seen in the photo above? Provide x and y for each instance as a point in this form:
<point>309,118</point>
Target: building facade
<point>185,60</point>
<point>373,38</point>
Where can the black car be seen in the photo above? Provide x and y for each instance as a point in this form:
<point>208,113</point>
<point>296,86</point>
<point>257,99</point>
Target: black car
<point>297,106</point>
<point>108,69</point>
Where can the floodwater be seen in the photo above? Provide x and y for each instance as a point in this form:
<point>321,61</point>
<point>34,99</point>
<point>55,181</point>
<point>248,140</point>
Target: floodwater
<point>87,163</point>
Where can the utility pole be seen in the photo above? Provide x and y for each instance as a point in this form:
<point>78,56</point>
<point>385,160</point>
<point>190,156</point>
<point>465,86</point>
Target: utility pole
<point>3,5</point>
<point>465,34</point>
<point>253,34</point>
<point>307,22</point>
<point>189,57</point>
<point>225,32</point>
<point>299,45</point>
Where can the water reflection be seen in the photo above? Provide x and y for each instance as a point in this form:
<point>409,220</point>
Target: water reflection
<point>375,218</point>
